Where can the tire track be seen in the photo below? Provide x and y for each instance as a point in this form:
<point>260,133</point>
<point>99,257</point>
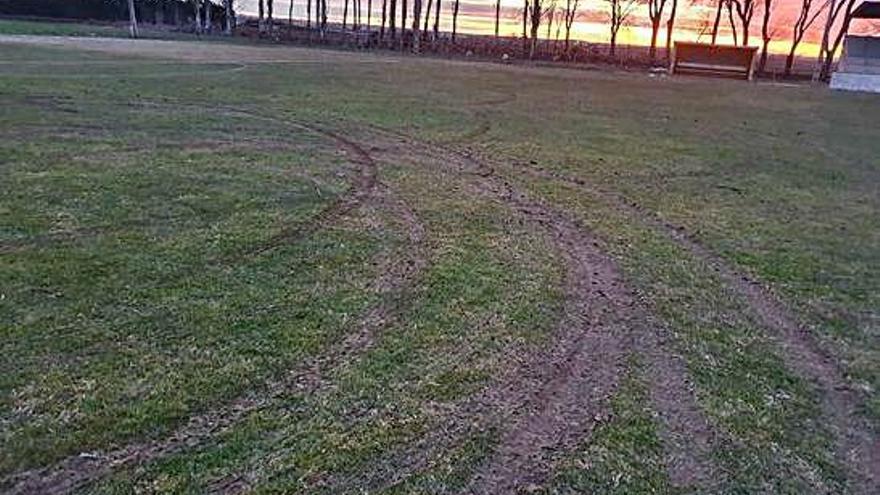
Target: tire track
<point>857,443</point>
<point>80,470</point>
<point>556,397</point>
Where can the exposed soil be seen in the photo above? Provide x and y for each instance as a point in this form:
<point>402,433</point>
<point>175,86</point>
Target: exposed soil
<point>858,445</point>
<point>552,399</point>
<point>77,471</point>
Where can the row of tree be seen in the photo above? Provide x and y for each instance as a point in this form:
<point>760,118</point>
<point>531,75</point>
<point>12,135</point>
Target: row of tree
<point>739,13</point>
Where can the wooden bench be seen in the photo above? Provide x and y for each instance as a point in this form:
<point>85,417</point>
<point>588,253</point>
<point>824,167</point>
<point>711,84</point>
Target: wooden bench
<point>719,60</point>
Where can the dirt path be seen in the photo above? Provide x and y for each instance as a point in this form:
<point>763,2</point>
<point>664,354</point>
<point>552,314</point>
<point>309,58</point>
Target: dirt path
<point>399,273</point>
<point>857,444</point>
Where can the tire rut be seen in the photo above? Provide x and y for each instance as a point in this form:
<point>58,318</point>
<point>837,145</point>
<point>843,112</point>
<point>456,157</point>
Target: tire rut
<point>81,470</point>
<point>553,399</point>
<point>857,443</point>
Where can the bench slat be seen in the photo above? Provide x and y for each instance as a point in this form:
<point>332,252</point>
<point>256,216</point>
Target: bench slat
<point>712,67</point>
<point>722,59</point>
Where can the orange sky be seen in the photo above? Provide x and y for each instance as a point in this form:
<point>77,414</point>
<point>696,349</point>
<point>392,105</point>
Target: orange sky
<point>694,17</point>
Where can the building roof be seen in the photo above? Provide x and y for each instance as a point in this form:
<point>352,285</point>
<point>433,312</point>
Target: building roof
<point>867,10</point>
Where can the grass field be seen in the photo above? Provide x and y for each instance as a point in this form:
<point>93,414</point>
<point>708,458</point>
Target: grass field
<point>240,268</point>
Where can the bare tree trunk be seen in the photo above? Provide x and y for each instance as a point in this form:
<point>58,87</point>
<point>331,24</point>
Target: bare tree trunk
<point>209,25</point>
<point>829,21</point>
<point>536,24</point>
<point>655,31</point>
<point>198,14</point>
<point>308,14</point>
<point>497,16</point>
<point>613,49</point>
<point>269,18</point>
<point>732,21</point>
<point>261,23</point>
<point>290,16</point>
<point>670,27</point>
<point>455,6</point>
<point>344,14</point>
<point>384,13</point>
<point>620,12</point>
<point>829,48</point>
<point>428,13</point>
<point>369,17</point>
<point>745,9</point>
<point>525,19</point>
<point>392,18</point>
<point>437,21</point>
<point>230,16</point>
<point>316,14</point>
<point>804,21</point>
<point>403,13</point>
<point>571,7</point>
<point>417,20</point>
<point>132,20</point>
<point>765,35</point>
<point>655,14</point>
<point>717,23</point>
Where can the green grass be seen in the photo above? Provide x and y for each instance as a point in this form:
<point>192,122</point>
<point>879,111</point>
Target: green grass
<point>119,30</point>
<point>132,197</point>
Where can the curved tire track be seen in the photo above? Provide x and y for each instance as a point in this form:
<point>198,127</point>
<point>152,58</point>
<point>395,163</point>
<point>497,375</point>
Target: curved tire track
<point>555,398</point>
<point>857,443</point>
<point>80,470</point>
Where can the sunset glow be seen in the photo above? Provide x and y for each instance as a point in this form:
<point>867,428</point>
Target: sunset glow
<point>693,21</point>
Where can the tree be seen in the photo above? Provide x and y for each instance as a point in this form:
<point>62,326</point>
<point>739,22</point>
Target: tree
<point>382,23</point>
<point>437,21</point>
<point>497,17</point>
<point>717,23</point>
<point>309,14</point>
<point>535,17</point>
<point>403,12</point>
<point>525,19</point>
<point>729,5</point>
<point>619,12</point>
<point>260,21</point>
<point>290,15</point>
<point>209,25</point>
<point>670,26</point>
<point>766,35</point>
<point>550,14</point>
<point>805,19</point>
<point>570,14</point>
<point>455,7</point>
<point>132,20</point>
<point>270,4</point>
<point>745,10</point>
<point>392,18</point>
<point>655,14</point>
<point>428,12</point>
<point>344,14</point>
<point>831,41</point>
<point>230,16</point>
<point>417,20</point>
<point>197,8</point>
